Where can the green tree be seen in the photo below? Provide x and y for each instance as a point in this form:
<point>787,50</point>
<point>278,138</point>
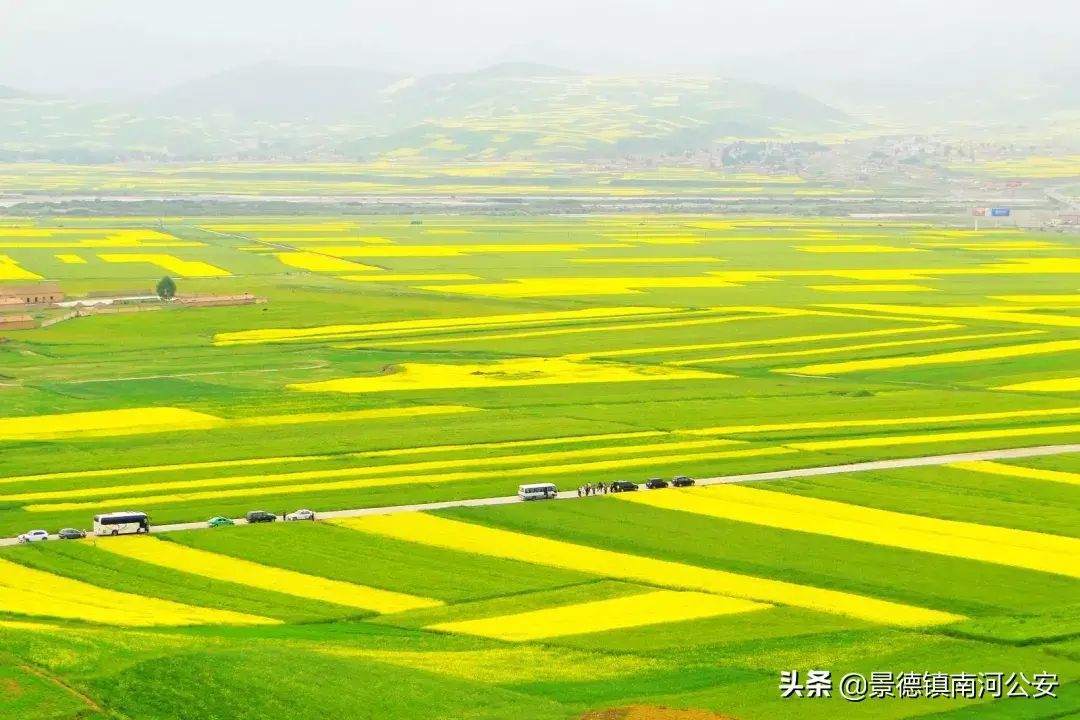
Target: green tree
<point>166,289</point>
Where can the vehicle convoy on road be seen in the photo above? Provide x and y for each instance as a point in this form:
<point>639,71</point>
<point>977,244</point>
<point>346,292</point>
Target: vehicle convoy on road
<point>682,481</point>
<point>656,483</point>
<point>34,536</point>
<point>122,523</point>
<point>623,486</point>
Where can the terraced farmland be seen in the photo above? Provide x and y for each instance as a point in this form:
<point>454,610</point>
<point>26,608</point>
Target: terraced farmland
<point>399,362</point>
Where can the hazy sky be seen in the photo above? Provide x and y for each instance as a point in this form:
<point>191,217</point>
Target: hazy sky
<point>141,45</point>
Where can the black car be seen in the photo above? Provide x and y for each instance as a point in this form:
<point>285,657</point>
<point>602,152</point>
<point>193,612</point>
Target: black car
<point>261,516</point>
<point>623,486</point>
<point>682,481</point>
<point>71,534</point>
<point>656,483</point>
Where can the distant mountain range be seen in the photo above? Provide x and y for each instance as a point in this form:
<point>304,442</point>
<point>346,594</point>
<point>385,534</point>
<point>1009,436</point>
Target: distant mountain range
<point>9,93</point>
<point>513,110</point>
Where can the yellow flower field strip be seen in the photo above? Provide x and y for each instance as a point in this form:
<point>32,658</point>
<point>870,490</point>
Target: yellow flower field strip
<point>1069,384</point>
<point>872,288</point>
<point>437,277</point>
<point>662,606</point>
<point>856,249</point>
<point>222,567</point>
<point>948,358</point>
<point>855,348</point>
<point>135,233</point>
<point>98,244</point>
<point>268,481</point>
<point>353,415</point>
<point>421,251</point>
<point>25,591</point>
<point>280,460</point>
<point>989,314</point>
<point>183,268</point>
<point>320,263</point>
<point>579,330</point>
<point>993,468</point>
<point>527,472</point>
<point>770,341</point>
<point>10,270</point>
<point>899,440</point>
<point>466,537</point>
<point>883,422</point>
<point>104,423</point>
<point>515,372</point>
<point>649,260</point>
<point>993,246</point>
<point>572,287</point>
<point>71,259</point>
<point>402,327</point>
<point>313,240</point>
<point>1041,301</point>
<point>1000,546</point>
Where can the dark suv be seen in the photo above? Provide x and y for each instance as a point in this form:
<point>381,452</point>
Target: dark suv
<point>682,481</point>
<point>260,516</point>
<point>656,483</point>
<point>623,486</point>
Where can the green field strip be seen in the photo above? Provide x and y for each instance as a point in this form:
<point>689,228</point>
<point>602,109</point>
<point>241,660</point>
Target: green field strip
<point>91,565</point>
<point>1053,626</point>
<point>340,554</point>
<point>905,576</point>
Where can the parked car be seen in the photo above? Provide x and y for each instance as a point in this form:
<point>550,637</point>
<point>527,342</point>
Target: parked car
<point>261,516</point>
<point>623,486</point>
<point>34,536</point>
<point>682,481</point>
<point>71,534</point>
<point>301,515</point>
<point>656,483</point>
<point>219,521</point>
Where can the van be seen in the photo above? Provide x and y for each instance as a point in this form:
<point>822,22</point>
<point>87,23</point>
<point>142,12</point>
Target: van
<point>540,491</point>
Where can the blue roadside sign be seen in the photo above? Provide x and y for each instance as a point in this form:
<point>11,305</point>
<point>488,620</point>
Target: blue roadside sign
<point>1000,212</point>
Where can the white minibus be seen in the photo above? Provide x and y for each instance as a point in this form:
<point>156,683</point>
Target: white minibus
<point>540,491</point>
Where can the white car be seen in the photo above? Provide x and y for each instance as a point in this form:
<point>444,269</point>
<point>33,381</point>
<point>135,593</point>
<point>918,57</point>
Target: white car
<point>301,515</point>
<point>34,536</point>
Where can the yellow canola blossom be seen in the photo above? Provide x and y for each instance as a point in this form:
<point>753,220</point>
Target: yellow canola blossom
<point>1069,384</point>
<point>105,423</point>
<point>517,372</point>
<point>405,327</point>
<point>222,567</point>
<point>572,287</point>
<point>948,358</point>
<point>354,415</point>
<point>310,240</point>
<point>267,481</point>
<point>993,468</point>
<point>856,249</point>
<point>367,251</point>
<point>649,260</point>
<point>25,591</point>
<point>990,314</point>
<point>527,472</point>
<point>436,277</point>
<point>1041,301</point>
<point>853,348</point>
<point>320,263</point>
<point>770,341</point>
<point>883,422</point>
<point>900,440</point>
<point>183,268</point>
<point>71,259</point>
<point>1001,546</point>
<point>509,665</point>
<point>466,537</point>
<point>662,606</point>
<point>871,288</point>
<point>10,270</point>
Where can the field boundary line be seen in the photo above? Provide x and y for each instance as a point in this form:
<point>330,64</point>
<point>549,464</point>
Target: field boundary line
<point>85,699</point>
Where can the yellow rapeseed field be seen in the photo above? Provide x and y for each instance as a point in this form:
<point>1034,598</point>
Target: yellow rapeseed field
<point>526,472</point>
<point>517,372</point>
<point>948,358</point>
<point>872,288</point>
<point>466,537</point>
<point>989,314</point>
<point>856,249</point>
<point>71,259</point>
<point>353,415</point>
<point>899,440</point>
<point>222,567</point>
<point>436,277</point>
<point>1002,546</point>
<point>25,591</point>
<point>320,263</point>
<point>1069,384</point>
<point>104,423</point>
<point>649,260</point>
<point>993,468</point>
<point>662,606</point>
<point>572,287</point>
<point>10,270</point>
<point>183,268</point>
<point>420,251</point>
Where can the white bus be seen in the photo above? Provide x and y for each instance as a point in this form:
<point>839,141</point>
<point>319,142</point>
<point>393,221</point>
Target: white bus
<point>121,523</point>
<point>540,491</point>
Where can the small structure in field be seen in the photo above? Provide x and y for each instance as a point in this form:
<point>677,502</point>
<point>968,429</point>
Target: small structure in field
<point>36,294</point>
<point>16,322</point>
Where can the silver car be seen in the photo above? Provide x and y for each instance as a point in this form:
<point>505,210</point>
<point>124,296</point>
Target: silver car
<point>300,515</point>
<point>34,536</point>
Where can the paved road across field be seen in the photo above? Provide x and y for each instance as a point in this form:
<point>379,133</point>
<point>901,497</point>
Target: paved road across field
<point>1010,454</point>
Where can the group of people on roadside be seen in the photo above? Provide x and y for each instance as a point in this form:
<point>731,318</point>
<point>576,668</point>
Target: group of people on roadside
<point>590,489</point>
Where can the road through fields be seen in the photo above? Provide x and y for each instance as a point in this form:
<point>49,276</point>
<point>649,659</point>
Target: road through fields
<point>1006,454</point>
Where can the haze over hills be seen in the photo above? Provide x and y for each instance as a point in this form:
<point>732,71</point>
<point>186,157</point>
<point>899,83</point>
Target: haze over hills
<point>510,110</point>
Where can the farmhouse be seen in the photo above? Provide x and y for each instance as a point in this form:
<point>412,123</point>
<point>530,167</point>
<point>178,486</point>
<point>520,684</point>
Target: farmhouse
<point>16,322</point>
<point>38,294</point>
